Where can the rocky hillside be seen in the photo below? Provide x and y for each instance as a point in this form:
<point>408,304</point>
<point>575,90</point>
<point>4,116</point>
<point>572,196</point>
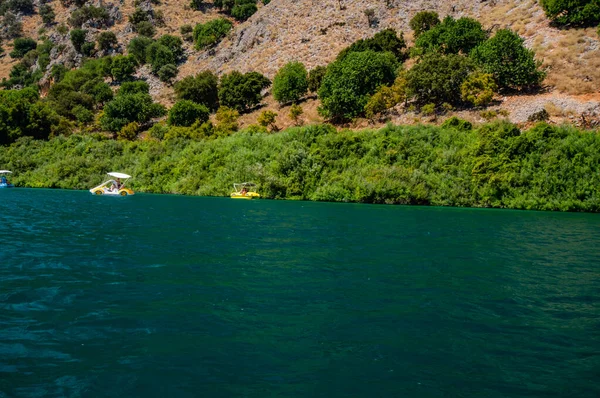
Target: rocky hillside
<point>314,31</point>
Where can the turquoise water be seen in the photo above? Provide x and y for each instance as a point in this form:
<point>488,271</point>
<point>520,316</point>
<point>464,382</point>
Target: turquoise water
<point>166,296</point>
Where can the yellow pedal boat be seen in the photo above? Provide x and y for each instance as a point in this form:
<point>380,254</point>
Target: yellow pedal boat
<point>111,187</point>
<point>244,190</point>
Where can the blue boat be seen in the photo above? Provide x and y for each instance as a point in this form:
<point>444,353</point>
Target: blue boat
<point>3,181</point>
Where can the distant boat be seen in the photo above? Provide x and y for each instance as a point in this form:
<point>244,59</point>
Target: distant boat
<point>3,181</point>
<point>244,190</point>
<point>113,187</point>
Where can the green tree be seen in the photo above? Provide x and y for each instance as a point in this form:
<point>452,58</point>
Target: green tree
<point>423,21</point>
<point>573,12</point>
<point>267,119</point>
<point>135,87</point>
<point>129,132</point>
<point>349,82</point>
<point>315,76</point>
<point>295,112</point>
<point>202,89</point>
<point>124,109</point>
<point>242,91</point>
<point>385,41</point>
<point>47,13</point>
<point>167,73</point>
<point>107,40</point>
<point>137,48</point>
<point>205,35</point>
<point>78,38</point>
<point>506,58</point>
<point>242,12</point>
<point>158,56</point>
<point>438,78</point>
<point>452,37</point>
<point>185,113</point>
<point>227,120</point>
<point>145,28</point>
<point>21,46</point>
<point>290,83</point>
<point>173,43</point>
<point>387,97</point>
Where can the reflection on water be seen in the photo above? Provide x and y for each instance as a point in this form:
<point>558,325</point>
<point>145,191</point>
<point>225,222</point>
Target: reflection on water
<point>178,296</point>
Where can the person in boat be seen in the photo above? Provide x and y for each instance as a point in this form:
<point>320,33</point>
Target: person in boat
<point>3,180</point>
<point>116,185</point>
<point>244,191</point>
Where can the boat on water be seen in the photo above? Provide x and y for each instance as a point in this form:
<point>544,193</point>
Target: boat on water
<point>3,181</point>
<point>113,186</point>
<point>244,190</point>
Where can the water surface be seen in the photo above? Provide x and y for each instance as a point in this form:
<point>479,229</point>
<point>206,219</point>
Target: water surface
<point>167,296</point>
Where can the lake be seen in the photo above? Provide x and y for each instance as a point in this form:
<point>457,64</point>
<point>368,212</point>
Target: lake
<point>173,296</point>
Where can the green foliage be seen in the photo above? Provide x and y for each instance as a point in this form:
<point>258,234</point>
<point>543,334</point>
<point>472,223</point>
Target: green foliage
<point>62,29</point>
<point>185,113</point>
<point>173,43</point>
<point>458,124</point>
<point>438,78</point>
<point>78,38</point>
<point>315,77</point>
<point>210,33</point>
<point>129,132</point>
<point>135,87</point>
<point>202,89</point>
<point>290,83</point>
<point>226,120</point>
<point>47,13</point>
<point>158,56</point>
<point>295,112</point>
<point>123,67</point>
<point>478,88</point>
<point>138,47</point>
<point>349,82</point>
<point>424,21</point>
<point>138,16</point>
<point>158,131</point>
<point>22,46</point>
<point>242,12</point>
<point>97,15</point>
<point>386,97</point>
<point>58,72</point>
<point>19,6</point>
<point>12,25</point>
<point>88,49</point>
<point>107,40</point>
<point>186,32</point>
<point>428,109</point>
<point>572,12</point>
<point>82,114</point>
<point>167,73</point>
<point>22,114</point>
<point>451,37</point>
<point>267,118</point>
<point>145,28</point>
<point>506,58</point>
<point>124,109</point>
<point>386,40</point>
<point>242,91</point>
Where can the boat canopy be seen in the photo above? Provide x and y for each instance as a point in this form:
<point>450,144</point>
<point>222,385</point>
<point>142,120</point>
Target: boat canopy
<point>5,171</point>
<point>118,175</point>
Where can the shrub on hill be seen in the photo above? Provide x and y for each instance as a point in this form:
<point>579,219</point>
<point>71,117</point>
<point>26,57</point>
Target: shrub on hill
<point>12,25</point>
<point>210,33</point>
<point>506,58</point>
<point>107,40</point>
<point>23,115</point>
<point>22,46</point>
<point>315,76</point>
<point>135,87</point>
<point>185,113</point>
<point>244,9</point>
<point>167,73</point>
<point>438,78</point>
<point>349,82</point>
<point>386,40</point>
<point>158,55</point>
<point>123,67</point>
<point>242,91</point>
<point>19,6</point>
<point>290,83</point>
<point>451,37</point>
<point>125,109</point>
<point>145,28</point>
<point>202,89</point>
<point>478,88</point>
<point>572,12</point>
<point>137,48</point>
<point>97,15</point>
<point>423,21</point>
<point>78,38</point>
<point>47,13</point>
<point>173,43</point>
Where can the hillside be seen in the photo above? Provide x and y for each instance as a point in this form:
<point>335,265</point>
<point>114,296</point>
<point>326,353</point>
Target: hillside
<point>313,32</point>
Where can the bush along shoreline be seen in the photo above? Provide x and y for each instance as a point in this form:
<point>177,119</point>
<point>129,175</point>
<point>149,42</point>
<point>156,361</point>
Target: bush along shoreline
<point>496,165</point>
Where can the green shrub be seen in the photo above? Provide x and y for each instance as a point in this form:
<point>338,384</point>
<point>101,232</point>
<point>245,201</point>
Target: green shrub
<point>78,38</point>
<point>158,56</point>
<point>385,41</point>
<point>47,13</point>
<point>572,12</point>
<point>158,131</point>
<point>97,15</point>
<point>458,124</point>
<point>129,132</point>
<point>124,109</point>
<point>428,109</point>
<point>137,48</point>
<point>145,28</point>
<point>267,118</point>
<point>123,67</point>
<point>83,115</point>
<point>88,49</point>
<point>173,43</point>
<point>226,120</point>
<point>423,21</point>
<point>107,40</point>
<point>167,73</point>
<point>290,83</point>
<point>12,25</point>
<point>438,78</point>
<point>22,46</point>
<point>138,16</point>
<point>243,11</point>
<point>452,37</point>
<point>210,33</point>
<point>315,77</point>
<point>186,32</point>
<point>202,89</point>
<point>135,87</point>
<point>185,113</point>
<point>386,97</point>
<point>295,112</point>
<point>242,91</point>
<point>22,6</point>
<point>478,88</point>
<point>349,82</point>
<point>506,58</point>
